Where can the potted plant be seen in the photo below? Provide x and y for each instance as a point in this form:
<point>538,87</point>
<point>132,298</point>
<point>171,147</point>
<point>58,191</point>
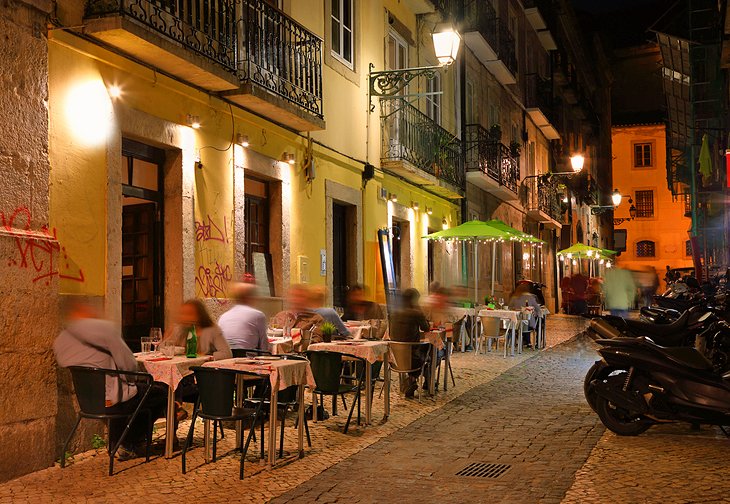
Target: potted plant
<point>514,148</point>
<point>327,329</point>
<point>489,301</point>
<point>495,132</point>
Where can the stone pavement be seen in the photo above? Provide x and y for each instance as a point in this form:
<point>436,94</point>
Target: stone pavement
<point>86,481</point>
<point>532,417</point>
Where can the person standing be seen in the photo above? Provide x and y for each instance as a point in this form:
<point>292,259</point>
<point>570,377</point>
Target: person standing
<point>407,324</point>
<point>620,291</point>
<point>244,327</point>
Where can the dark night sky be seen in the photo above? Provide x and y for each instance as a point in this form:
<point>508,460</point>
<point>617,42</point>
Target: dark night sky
<point>621,23</point>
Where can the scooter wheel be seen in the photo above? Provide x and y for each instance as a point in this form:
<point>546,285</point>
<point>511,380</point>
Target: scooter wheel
<point>599,371</point>
<point>619,420</point>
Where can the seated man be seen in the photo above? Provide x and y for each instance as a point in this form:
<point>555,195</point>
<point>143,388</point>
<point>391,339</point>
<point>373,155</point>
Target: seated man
<point>93,342</point>
<point>318,296</point>
<point>298,315</point>
<point>244,327</point>
<point>359,308</point>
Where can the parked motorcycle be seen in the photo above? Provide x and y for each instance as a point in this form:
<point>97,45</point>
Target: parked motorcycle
<point>649,384</point>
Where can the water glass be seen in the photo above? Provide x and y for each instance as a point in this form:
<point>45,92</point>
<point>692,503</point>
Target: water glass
<point>155,337</point>
<point>146,345</point>
<point>167,348</point>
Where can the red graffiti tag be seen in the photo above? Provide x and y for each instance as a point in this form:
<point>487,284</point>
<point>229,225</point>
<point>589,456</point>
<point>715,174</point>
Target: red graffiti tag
<point>208,230</point>
<point>213,281</point>
<point>35,252</point>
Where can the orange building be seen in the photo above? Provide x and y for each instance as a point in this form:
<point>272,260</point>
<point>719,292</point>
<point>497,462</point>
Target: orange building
<point>657,235</point>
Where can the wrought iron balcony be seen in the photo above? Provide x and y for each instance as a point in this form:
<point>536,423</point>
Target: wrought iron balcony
<point>280,55</point>
<point>543,200</point>
<point>417,148</point>
<point>490,164</point>
<point>491,41</point>
<point>539,104</point>
<point>192,39</point>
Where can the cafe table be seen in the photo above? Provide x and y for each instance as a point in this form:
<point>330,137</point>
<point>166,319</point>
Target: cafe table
<point>281,345</point>
<point>512,316</point>
<point>282,373</point>
<point>359,330</point>
<point>459,313</point>
<point>170,371</point>
<point>371,351</point>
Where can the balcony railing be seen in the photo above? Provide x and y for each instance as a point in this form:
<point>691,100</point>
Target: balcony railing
<point>480,16</point>
<point>539,94</point>
<point>491,157</point>
<point>207,27</point>
<point>507,51</point>
<point>281,55</point>
<point>410,135</point>
<point>543,196</point>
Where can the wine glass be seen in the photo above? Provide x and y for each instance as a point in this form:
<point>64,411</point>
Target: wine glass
<point>155,337</point>
<point>501,302</point>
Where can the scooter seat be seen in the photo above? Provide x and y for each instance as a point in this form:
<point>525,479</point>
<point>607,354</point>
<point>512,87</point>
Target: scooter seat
<point>605,329</point>
<point>687,356</point>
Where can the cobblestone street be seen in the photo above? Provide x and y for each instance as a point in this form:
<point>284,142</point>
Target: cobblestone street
<point>526,411</point>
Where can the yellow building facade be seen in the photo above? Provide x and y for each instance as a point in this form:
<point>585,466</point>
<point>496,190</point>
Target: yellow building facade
<point>138,121</point>
<point>658,236</point>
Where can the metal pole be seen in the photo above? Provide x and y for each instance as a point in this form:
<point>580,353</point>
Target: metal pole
<point>494,260</point>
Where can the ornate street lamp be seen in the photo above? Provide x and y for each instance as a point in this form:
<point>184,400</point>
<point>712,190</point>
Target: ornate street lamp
<point>616,197</point>
<point>389,83</point>
<point>576,162</point>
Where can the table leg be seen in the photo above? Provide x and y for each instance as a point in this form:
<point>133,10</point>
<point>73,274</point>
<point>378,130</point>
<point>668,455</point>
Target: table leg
<point>368,391</point>
<point>170,423</point>
<point>514,326</point>
<point>300,433</point>
<point>432,384</point>
<point>447,364</point>
<point>386,378</point>
<point>206,440</point>
<point>273,410</point>
<point>239,404</point>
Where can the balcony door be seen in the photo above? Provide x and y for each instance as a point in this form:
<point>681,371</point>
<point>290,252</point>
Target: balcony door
<point>142,233</point>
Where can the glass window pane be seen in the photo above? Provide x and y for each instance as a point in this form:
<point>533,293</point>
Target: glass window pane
<point>144,175</point>
<point>347,13</point>
<point>335,36</point>
<point>347,45</point>
<point>336,9</point>
<point>125,170</point>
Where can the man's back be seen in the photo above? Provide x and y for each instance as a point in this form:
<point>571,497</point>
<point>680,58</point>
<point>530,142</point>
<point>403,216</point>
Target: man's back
<point>244,328</point>
<point>97,343</point>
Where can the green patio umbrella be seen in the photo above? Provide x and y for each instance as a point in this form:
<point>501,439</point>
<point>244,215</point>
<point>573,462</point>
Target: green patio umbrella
<point>521,235</point>
<point>581,251</point>
<point>475,231</point>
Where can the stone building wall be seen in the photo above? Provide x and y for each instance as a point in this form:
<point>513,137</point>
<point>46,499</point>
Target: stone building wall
<point>29,253</point>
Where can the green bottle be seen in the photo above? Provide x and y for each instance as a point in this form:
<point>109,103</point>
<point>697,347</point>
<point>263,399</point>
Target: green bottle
<point>191,345</point>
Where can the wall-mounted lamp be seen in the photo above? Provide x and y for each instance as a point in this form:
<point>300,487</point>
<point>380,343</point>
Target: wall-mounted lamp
<point>429,210</point>
<point>576,162</point>
<point>193,121</point>
<point>288,157</point>
<point>198,162</point>
<point>114,91</point>
<point>393,198</point>
<point>242,140</point>
<point>414,205</point>
<point>444,223</point>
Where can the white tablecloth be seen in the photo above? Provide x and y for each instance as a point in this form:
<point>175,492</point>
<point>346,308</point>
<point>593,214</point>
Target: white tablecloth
<point>359,331</point>
<point>280,345</point>
<point>371,351</point>
<point>169,371</point>
<point>283,372</point>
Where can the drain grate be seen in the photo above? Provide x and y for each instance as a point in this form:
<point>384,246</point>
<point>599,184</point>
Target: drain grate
<point>483,470</point>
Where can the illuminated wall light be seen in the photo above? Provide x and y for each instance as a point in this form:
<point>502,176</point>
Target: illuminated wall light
<point>429,210</point>
<point>393,198</point>
<point>415,205</point>
<point>608,264</point>
<point>114,91</point>
<point>288,157</point>
<point>526,256</point>
<point>444,223</point>
<point>89,112</point>
<point>193,121</point>
<point>242,140</point>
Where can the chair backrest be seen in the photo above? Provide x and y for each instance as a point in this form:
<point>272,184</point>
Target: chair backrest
<point>402,355</point>
<point>490,326</point>
<point>239,353</point>
<point>215,389</point>
<point>327,369</point>
<point>90,388</point>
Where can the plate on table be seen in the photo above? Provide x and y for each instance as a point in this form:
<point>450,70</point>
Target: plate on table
<point>268,357</point>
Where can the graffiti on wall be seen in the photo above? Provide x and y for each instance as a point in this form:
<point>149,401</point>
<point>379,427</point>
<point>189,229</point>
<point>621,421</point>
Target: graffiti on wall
<point>212,276</point>
<point>37,250</point>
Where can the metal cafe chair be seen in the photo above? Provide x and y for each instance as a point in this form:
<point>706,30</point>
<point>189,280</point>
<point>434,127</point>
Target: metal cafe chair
<point>402,360</point>
<point>216,388</point>
<point>491,331</point>
<point>327,371</point>
<point>90,389</point>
